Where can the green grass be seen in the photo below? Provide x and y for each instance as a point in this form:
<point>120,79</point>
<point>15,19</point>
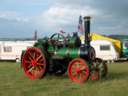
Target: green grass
<point>14,83</point>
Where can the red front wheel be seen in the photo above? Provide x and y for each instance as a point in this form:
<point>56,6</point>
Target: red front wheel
<point>78,70</point>
<point>34,63</point>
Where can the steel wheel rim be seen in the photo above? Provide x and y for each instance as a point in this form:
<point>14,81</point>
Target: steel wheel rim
<point>103,70</point>
<point>78,70</point>
<point>99,70</point>
<point>34,63</point>
<point>94,73</point>
<point>95,76</point>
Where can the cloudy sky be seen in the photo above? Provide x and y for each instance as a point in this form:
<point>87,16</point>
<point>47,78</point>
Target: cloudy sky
<point>20,18</point>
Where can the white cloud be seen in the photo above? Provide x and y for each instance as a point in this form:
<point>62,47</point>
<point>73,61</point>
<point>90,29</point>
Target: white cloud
<point>108,16</point>
<point>12,16</point>
<point>61,16</point>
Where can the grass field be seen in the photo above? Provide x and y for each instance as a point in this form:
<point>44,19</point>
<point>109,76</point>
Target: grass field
<point>14,83</point>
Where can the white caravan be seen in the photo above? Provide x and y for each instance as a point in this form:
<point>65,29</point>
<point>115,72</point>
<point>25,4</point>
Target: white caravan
<point>11,50</point>
<point>105,50</point>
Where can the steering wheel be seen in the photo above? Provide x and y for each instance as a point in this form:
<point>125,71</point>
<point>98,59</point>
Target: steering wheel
<point>58,39</point>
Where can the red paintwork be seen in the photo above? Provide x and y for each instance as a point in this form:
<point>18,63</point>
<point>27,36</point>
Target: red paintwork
<point>78,70</point>
<point>94,74</point>
<point>34,63</point>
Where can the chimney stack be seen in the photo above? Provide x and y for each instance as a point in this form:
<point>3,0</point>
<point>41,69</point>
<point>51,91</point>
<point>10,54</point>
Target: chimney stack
<point>35,35</point>
<point>87,30</point>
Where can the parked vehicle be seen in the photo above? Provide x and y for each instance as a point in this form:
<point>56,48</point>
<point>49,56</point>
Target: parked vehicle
<point>105,50</point>
<point>125,49</point>
<point>58,54</point>
<point>11,50</point>
<point>116,42</point>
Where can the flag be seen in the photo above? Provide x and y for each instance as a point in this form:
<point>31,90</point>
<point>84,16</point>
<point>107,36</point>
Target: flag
<point>80,25</point>
<point>61,31</point>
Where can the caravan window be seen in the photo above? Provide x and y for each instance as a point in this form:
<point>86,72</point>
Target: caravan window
<point>104,47</point>
<point>7,49</point>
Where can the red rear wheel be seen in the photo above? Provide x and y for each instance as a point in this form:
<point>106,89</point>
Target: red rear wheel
<point>78,70</point>
<point>99,69</point>
<point>94,73</point>
<point>34,63</point>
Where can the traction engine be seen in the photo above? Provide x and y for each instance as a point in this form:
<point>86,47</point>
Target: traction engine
<point>59,54</point>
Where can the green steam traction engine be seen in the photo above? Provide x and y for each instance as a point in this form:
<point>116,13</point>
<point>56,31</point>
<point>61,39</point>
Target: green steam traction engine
<point>58,54</point>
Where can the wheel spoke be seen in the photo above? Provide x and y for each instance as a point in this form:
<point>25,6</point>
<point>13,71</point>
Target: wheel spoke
<point>29,66</point>
<point>37,68</point>
<point>83,68</point>
<point>81,76</point>
<point>34,55</point>
<point>41,64</point>
<point>75,76</point>
<point>38,57</point>
<point>73,68</point>
<point>30,55</point>
<point>40,68</point>
<point>29,58</point>
<point>29,70</point>
<point>28,62</point>
<point>41,61</point>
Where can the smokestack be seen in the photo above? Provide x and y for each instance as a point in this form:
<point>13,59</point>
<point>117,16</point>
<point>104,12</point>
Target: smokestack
<point>35,35</point>
<point>87,30</point>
